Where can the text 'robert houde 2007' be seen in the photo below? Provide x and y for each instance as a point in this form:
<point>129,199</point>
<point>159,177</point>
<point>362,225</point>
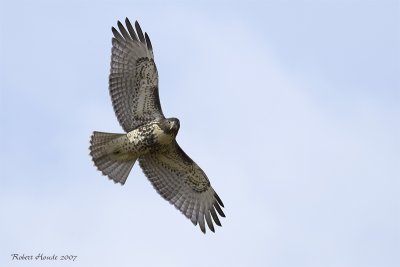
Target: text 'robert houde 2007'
<point>42,257</point>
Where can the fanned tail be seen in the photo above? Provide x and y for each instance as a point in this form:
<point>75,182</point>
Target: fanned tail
<point>111,162</point>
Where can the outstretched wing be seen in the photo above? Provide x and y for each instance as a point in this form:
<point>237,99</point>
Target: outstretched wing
<point>133,80</point>
<point>180,180</point>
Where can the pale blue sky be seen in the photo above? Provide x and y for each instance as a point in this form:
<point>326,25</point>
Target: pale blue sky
<point>291,107</point>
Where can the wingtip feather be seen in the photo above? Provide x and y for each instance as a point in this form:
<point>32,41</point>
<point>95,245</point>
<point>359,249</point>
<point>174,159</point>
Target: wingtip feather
<point>215,216</point>
<point>123,31</point>
<point>209,222</point>
<point>148,42</point>
<point>139,32</point>
<point>219,210</point>
<point>131,30</point>
<point>116,34</point>
<point>218,199</point>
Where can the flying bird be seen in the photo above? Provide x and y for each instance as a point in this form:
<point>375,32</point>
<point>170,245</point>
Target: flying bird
<point>149,137</point>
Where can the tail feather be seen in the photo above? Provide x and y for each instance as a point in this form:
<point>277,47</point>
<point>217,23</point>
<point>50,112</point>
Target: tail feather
<point>116,167</point>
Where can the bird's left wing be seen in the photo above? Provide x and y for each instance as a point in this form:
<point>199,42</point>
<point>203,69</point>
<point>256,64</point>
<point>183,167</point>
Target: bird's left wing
<point>178,179</point>
<point>133,81</point>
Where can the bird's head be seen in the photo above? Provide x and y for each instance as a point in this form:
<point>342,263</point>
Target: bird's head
<point>170,126</point>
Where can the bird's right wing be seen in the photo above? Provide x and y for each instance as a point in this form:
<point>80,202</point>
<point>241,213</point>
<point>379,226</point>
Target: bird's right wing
<point>133,81</point>
<point>183,183</point>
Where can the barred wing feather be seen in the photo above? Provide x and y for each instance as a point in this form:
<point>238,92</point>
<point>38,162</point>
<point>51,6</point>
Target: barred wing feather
<point>133,80</point>
<point>179,180</point>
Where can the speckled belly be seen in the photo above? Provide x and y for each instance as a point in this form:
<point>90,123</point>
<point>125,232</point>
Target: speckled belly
<point>145,139</point>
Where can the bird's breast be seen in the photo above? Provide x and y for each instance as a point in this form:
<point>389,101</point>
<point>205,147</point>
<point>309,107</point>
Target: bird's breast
<point>149,136</point>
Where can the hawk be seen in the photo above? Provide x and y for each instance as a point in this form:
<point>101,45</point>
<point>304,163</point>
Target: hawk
<point>149,137</point>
